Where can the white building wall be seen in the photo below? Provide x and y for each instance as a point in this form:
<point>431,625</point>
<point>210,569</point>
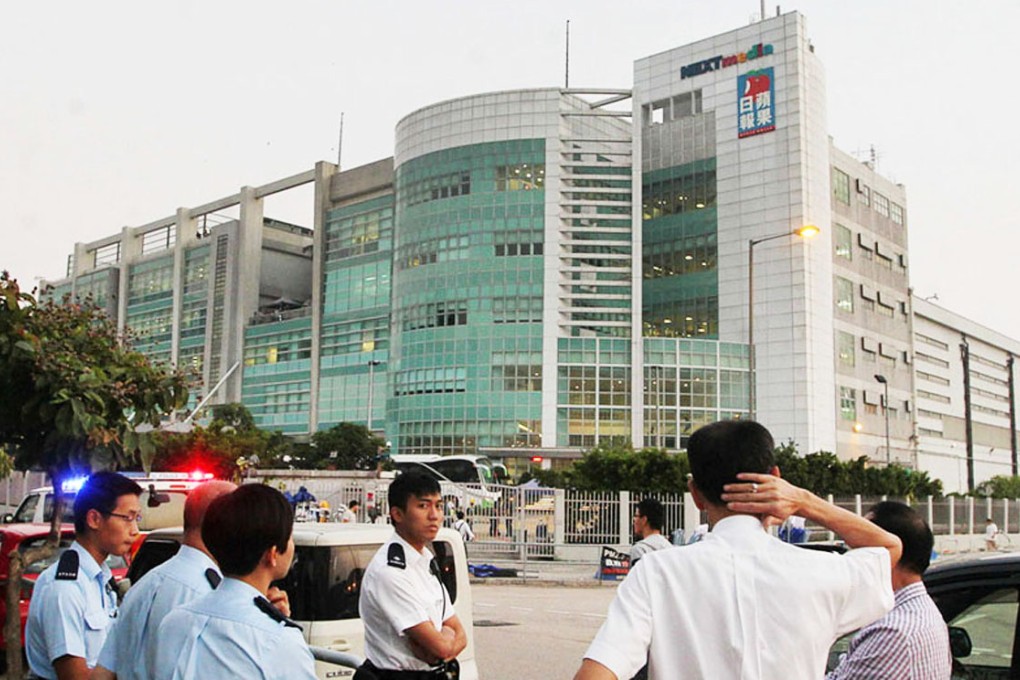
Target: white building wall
<point>769,184</point>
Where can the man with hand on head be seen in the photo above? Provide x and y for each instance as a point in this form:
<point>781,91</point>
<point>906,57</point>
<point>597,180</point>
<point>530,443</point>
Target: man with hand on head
<point>235,631</point>
<point>411,628</point>
<point>911,642</point>
<point>130,649</point>
<point>740,603</point>
<point>74,601</point>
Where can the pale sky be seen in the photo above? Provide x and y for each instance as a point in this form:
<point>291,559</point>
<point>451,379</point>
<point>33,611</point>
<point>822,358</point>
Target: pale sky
<point>117,113</point>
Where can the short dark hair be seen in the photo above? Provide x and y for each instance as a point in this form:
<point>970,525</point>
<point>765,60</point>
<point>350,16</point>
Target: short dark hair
<point>100,492</point>
<point>719,451</point>
<point>913,531</point>
<point>460,514</point>
<point>353,504</point>
<point>409,484</point>
<point>239,527</point>
<point>652,511</point>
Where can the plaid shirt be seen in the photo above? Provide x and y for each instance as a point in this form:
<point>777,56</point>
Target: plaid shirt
<point>911,642</point>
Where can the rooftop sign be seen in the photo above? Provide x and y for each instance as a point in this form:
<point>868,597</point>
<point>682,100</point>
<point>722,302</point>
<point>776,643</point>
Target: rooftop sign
<point>716,63</point>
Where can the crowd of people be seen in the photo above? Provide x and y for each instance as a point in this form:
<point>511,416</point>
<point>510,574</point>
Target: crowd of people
<point>740,603</point>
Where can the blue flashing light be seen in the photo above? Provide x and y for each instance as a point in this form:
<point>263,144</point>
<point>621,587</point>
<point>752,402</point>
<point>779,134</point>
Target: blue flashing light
<point>72,485</point>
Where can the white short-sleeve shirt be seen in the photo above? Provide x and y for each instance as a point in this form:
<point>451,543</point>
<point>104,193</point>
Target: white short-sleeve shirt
<point>395,598</point>
<point>740,605</point>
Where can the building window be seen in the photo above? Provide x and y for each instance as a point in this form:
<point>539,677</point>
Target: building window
<point>844,294</point>
<point>844,242</point>
<point>841,186</point>
<point>520,177</point>
<point>896,213</point>
<point>848,403</point>
<point>881,205</point>
<point>846,349</point>
<point>863,193</point>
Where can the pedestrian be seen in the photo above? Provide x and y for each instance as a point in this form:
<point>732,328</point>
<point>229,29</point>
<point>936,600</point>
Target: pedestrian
<point>741,603</point>
<point>350,515</point>
<point>463,527</point>
<point>235,631</point>
<point>74,601</point>
<point>911,642</point>
<point>130,649</point>
<point>411,627</point>
<point>991,531</point>
<point>647,525</point>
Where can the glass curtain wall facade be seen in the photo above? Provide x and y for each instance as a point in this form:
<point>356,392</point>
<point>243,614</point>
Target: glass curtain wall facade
<point>150,306</point>
<point>467,299</point>
<point>357,261</point>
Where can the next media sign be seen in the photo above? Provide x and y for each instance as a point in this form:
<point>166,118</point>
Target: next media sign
<point>756,109</point>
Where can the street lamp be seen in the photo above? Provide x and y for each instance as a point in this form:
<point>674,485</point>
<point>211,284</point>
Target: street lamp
<point>807,231</point>
<point>885,408</point>
<point>371,385</point>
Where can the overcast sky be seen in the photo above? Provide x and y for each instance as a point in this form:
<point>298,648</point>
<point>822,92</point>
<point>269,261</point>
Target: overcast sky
<point>118,113</point>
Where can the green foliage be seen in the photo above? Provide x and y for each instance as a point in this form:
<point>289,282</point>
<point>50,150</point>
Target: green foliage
<point>71,392</point>
<point>1000,486</point>
<point>230,444</point>
<point>613,468</point>
<point>346,446</point>
<point>823,473</point>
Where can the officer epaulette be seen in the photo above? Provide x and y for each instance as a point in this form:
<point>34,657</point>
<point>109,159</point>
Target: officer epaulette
<point>395,556</point>
<point>213,577</point>
<point>272,612</point>
<point>67,567</point>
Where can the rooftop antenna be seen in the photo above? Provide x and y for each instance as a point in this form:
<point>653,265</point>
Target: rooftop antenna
<point>340,141</point>
<point>566,73</point>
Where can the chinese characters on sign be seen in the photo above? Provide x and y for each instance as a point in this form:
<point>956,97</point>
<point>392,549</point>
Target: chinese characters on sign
<point>756,109</point>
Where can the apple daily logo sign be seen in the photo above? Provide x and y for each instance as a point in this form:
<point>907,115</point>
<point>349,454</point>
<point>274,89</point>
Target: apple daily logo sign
<point>756,102</point>
<point>716,63</point>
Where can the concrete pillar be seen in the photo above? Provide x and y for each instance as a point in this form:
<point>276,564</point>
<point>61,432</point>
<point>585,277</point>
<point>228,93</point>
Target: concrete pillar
<point>323,174</point>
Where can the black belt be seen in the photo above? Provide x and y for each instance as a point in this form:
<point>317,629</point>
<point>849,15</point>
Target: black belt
<point>449,670</point>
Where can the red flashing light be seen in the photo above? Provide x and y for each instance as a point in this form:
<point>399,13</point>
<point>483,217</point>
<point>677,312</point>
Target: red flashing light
<point>198,475</point>
<point>536,459</point>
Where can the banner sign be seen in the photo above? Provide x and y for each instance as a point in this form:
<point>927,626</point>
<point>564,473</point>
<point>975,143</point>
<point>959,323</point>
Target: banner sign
<point>756,102</point>
<point>613,564</point>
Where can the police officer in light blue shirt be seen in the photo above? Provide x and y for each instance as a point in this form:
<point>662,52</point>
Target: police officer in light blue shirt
<point>235,631</point>
<point>74,601</point>
<point>130,649</point>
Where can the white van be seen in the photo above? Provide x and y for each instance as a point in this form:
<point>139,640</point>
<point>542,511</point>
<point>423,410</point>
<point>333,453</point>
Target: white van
<point>163,496</point>
<point>325,583</point>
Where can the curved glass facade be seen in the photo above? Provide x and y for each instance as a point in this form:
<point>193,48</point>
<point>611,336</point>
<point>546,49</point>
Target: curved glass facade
<point>466,356</point>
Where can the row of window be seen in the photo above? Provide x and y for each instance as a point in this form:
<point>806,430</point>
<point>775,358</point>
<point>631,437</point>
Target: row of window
<point>151,280</point>
<point>436,188</point>
<point>841,186</point>
<point>520,177</point>
<point>430,381</point>
<point>843,244</point>
<point>358,234</point>
<point>433,315</point>
<point>685,256</point>
<point>434,250</point>
<point>277,348</point>
<point>517,378</point>
<point>365,335</point>
<point>872,300</point>
<point>517,309</point>
<point>679,195</point>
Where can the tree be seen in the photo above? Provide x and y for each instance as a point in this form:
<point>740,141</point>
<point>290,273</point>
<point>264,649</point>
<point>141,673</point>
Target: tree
<point>1000,486</point>
<point>71,396</point>
<point>613,468</point>
<point>229,443</point>
<point>823,473</point>
<point>346,446</point>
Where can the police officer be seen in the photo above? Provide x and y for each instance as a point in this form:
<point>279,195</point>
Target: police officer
<point>411,629</point>
<point>130,649</point>
<point>74,601</point>
<point>235,631</point>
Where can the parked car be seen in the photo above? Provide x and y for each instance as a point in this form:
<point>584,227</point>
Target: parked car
<point>978,597</point>
<point>324,584</point>
<point>22,537</point>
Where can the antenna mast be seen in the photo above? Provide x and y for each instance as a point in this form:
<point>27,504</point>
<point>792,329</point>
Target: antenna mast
<point>340,141</point>
<point>566,74</point>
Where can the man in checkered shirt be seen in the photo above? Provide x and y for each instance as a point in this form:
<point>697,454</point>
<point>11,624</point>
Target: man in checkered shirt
<point>911,642</point>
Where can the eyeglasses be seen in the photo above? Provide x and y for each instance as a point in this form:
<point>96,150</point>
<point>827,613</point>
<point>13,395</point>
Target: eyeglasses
<point>137,519</point>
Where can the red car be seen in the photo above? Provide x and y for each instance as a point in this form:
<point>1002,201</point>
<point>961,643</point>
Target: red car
<point>22,537</point>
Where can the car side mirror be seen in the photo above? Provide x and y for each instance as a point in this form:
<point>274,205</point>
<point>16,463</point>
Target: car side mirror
<point>8,518</point>
<point>157,499</point>
<point>959,642</point>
